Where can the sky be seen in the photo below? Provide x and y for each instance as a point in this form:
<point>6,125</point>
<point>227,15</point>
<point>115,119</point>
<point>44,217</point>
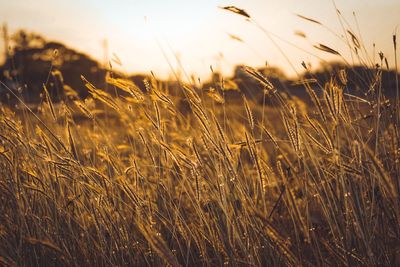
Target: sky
<point>160,35</point>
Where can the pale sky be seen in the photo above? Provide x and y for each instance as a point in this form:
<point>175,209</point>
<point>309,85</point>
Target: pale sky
<point>138,31</point>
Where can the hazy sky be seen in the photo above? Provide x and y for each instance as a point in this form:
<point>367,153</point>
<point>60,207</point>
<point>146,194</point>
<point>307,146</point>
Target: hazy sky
<point>197,31</point>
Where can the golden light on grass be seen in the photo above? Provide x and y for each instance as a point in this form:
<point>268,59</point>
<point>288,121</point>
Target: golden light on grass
<point>104,168</point>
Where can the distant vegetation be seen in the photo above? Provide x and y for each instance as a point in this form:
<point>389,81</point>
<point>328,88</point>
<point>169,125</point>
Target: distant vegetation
<point>34,61</point>
<point>99,168</point>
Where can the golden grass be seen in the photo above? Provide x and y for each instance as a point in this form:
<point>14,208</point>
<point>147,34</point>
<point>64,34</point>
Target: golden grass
<point>144,185</point>
<point>138,180</point>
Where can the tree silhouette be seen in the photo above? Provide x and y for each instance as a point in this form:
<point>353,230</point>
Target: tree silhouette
<point>35,62</point>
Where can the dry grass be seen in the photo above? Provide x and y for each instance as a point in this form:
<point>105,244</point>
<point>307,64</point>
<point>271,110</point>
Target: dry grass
<point>134,181</point>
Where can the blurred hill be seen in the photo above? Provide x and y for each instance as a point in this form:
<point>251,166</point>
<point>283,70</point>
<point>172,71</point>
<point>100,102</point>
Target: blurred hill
<point>33,62</point>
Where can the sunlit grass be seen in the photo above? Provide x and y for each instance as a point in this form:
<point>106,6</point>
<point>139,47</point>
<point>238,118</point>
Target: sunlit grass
<point>197,178</point>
